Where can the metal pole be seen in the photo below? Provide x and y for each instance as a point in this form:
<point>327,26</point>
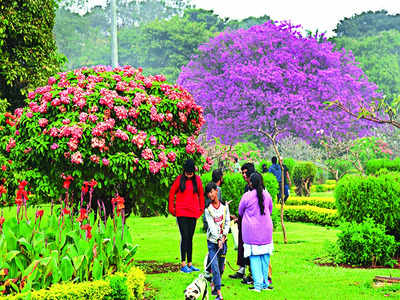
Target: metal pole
<point>114,41</point>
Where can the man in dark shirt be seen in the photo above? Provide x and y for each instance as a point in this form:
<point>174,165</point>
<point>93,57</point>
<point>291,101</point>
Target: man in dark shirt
<point>276,170</point>
<point>242,262</point>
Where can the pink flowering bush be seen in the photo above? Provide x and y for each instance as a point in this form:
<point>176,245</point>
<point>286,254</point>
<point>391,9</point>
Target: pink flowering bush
<point>127,131</point>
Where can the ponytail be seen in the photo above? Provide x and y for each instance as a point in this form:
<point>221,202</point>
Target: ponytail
<point>257,184</point>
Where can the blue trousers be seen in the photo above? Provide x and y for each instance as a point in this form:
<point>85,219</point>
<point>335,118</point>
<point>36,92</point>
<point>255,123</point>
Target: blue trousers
<point>259,269</point>
<point>218,263</point>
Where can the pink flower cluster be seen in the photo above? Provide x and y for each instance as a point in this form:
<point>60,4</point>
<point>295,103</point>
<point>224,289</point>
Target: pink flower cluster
<point>139,139</point>
<point>101,127</point>
<point>121,112</point>
<point>175,140</point>
<point>121,134</point>
<point>147,154</point>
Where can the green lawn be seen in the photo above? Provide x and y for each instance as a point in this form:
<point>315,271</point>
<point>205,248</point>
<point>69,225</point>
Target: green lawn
<point>295,276</point>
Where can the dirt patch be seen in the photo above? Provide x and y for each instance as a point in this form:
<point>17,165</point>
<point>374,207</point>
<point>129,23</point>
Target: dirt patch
<point>156,267</point>
<point>323,263</point>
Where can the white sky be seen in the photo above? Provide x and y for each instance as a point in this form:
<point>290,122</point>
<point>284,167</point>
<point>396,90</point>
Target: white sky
<point>311,14</point>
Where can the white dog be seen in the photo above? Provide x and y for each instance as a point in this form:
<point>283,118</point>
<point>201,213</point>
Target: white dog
<point>197,289</point>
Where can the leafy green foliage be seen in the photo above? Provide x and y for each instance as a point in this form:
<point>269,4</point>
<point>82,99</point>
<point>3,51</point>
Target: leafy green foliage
<point>233,187</point>
<point>119,288</point>
<point>367,23</point>
<point>90,290</point>
<point>374,165</point>
<point>365,244</point>
<point>28,53</point>
<point>377,197</point>
<point>310,214</point>
<point>303,177</point>
<point>127,131</point>
<point>60,248</point>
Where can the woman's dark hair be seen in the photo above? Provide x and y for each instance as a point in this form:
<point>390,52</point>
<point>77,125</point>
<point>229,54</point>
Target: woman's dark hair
<point>250,169</point>
<point>256,181</point>
<point>188,167</point>
<point>235,159</point>
<point>274,160</point>
<point>217,175</point>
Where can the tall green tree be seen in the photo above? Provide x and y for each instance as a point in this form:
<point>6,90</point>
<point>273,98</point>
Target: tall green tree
<point>28,53</point>
<point>379,57</point>
<point>367,23</point>
<point>164,46</point>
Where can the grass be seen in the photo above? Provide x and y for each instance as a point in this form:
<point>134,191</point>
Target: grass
<point>295,276</point>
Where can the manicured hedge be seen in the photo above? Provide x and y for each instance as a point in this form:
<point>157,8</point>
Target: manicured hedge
<point>233,187</point>
<point>314,201</point>
<point>360,197</point>
<point>310,214</point>
<point>89,290</point>
<point>365,244</point>
<point>303,177</point>
<point>374,165</point>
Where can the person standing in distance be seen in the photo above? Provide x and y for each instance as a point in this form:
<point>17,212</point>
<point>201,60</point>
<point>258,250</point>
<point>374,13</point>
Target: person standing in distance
<point>276,170</point>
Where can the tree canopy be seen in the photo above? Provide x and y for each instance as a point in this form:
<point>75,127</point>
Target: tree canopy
<point>28,53</point>
<point>367,23</point>
<point>379,57</point>
<point>248,79</point>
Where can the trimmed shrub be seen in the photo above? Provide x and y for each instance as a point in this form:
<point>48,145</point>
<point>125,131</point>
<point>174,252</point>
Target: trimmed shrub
<point>314,201</point>
<point>360,197</point>
<point>90,290</point>
<point>303,177</point>
<point>310,214</point>
<point>233,187</point>
<point>374,165</point>
<point>323,187</point>
<point>365,244</point>
<point>119,288</point>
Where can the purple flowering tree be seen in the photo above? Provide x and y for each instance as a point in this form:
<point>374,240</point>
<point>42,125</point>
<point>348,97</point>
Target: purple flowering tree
<point>269,80</point>
<point>249,79</point>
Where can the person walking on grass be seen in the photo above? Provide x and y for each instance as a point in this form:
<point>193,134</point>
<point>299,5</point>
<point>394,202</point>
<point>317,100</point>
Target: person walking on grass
<point>255,208</point>
<point>276,170</point>
<point>218,219</point>
<point>186,203</point>
<point>242,262</point>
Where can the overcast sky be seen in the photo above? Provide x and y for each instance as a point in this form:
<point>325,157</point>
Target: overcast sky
<point>312,14</point>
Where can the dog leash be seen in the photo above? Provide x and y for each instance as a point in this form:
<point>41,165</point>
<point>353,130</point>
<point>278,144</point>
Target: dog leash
<point>216,253</point>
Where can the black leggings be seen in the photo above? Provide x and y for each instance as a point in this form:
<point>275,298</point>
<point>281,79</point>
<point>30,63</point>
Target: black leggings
<point>186,227</point>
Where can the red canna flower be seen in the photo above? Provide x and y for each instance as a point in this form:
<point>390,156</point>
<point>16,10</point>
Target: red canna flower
<point>83,215</point>
<point>92,183</point>
<point>119,202</point>
<point>67,181</point>
<point>3,272</point>
<point>66,211</point>
<point>3,190</point>
<point>2,219</point>
<point>85,187</point>
<point>22,184</point>
<point>39,213</point>
<point>4,168</point>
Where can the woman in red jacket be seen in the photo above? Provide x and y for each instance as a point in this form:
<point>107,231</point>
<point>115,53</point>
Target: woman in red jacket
<point>186,203</point>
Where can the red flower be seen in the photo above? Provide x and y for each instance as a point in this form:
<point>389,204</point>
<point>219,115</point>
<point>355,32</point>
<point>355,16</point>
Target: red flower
<point>92,183</point>
<point>67,181</point>
<point>83,215</point>
<point>3,272</point>
<point>85,186</point>
<point>39,213</point>
<point>4,168</point>
<point>2,190</point>
<point>66,211</point>
<point>22,184</point>
<point>119,201</point>
<point>2,219</point>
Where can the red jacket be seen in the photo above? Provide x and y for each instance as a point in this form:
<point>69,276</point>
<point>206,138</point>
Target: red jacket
<point>186,204</point>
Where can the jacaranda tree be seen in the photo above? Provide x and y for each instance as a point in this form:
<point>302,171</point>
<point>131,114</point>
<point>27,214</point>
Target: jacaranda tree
<point>128,132</point>
<point>249,79</point>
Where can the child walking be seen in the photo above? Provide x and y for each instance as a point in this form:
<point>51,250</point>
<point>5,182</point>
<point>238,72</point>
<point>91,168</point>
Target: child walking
<point>218,219</point>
